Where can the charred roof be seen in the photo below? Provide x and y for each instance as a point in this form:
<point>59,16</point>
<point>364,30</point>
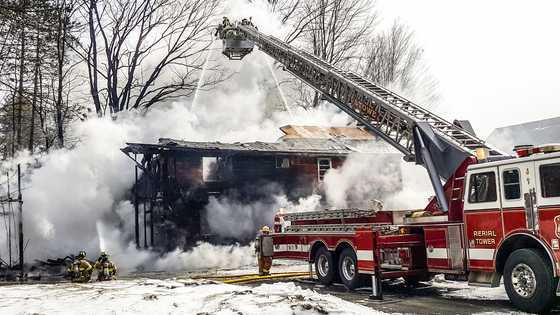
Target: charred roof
<point>299,140</point>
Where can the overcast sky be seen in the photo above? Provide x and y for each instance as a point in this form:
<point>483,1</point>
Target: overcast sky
<point>497,62</point>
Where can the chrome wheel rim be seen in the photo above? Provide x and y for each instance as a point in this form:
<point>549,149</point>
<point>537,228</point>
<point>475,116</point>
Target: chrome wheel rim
<point>523,280</point>
<point>348,268</point>
<point>323,265</point>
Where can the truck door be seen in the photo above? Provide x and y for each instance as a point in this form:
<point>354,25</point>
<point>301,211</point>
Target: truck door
<point>547,195</point>
<point>483,217</point>
<point>519,206</point>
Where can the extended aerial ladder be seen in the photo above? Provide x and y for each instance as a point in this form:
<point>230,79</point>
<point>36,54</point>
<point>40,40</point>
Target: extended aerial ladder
<point>422,136</point>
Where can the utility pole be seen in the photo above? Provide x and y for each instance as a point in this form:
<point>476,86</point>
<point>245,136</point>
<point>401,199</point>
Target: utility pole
<point>9,220</point>
<point>136,210</point>
<point>20,223</point>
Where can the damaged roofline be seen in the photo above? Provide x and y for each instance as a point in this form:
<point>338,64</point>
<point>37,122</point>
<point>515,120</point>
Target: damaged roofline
<point>141,148</point>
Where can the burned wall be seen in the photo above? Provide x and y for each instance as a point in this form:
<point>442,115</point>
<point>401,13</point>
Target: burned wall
<point>187,182</point>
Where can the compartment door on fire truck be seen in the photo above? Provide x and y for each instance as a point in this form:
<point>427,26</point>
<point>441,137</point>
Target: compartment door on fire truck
<point>517,185</point>
<point>547,196</point>
<point>483,217</point>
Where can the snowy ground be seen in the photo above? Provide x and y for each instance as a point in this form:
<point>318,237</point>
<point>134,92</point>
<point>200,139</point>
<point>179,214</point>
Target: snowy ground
<point>461,289</point>
<point>203,297</point>
<point>149,296</point>
<point>186,293</point>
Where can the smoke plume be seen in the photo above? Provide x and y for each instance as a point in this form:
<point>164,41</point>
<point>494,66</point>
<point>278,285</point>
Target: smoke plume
<point>75,199</point>
<point>231,218</point>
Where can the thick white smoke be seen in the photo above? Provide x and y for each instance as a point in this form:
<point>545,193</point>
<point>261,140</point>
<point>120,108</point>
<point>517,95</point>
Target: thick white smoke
<point>363,178</point>
<point>74,198</point>
<point>233,219</point>
<point>73,190</point>
<point>386,177</point>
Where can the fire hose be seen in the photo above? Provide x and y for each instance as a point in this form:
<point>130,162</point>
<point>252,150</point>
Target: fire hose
<point>249,278</point>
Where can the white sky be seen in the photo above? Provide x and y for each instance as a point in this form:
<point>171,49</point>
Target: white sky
<point>497,62</point>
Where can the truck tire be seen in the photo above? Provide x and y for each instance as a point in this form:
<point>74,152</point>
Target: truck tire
<point>529,281</point>
<point>348,269</point>
<point>325,267</point>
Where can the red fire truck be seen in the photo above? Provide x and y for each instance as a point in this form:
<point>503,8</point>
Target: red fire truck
<point>493,215</point>
<point>509,227</point>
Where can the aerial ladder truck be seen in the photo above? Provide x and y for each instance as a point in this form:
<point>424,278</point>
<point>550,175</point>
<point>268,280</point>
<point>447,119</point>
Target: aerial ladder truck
<point>494,217</point>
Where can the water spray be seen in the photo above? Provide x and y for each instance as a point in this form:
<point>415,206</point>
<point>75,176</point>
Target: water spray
<point>288,109</point>
<point>99,227</point>
<point>203,73</point>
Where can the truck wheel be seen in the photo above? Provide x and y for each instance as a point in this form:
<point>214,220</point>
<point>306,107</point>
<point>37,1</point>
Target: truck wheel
<point>324,266</point>
<point>529,281</point>
<point>348,269</point>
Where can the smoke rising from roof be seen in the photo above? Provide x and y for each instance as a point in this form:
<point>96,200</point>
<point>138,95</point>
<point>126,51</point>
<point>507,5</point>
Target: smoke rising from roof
<point>76,198</point>
<point>386,177</point>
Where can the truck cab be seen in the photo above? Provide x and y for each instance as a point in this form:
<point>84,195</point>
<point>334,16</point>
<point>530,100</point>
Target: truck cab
<point>512,224</point>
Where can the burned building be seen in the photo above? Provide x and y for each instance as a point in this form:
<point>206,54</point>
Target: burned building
<point>175,180</point>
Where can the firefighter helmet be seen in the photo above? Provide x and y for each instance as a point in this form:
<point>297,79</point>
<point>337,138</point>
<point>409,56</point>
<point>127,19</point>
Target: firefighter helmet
<point>103,254</point>
<point>265,229</point>
<point>82,254</point>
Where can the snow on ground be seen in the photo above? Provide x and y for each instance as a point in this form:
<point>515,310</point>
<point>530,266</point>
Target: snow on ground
<point>461,289</point>
<point>149,296</point>
<point>279,266</point>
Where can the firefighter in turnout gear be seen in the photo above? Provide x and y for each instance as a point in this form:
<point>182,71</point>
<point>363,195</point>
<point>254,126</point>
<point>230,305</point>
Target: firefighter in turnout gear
<point>220,31</point>
<point>80,270</point>
<point>264,250</point>
<point>106,269</point>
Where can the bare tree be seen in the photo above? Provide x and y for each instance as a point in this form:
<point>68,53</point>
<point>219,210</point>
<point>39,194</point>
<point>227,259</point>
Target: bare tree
<point>391,56</point>
<point>143,52</point>
<point>34,36</point>
<point>334,30</point>
<point>285,8</point>
<point>64,11</point>
<point>343,33</point>
<point>392,59</point>
<point>339,28</point>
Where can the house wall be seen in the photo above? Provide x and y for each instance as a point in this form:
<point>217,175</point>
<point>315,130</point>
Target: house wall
<point>246,178</point>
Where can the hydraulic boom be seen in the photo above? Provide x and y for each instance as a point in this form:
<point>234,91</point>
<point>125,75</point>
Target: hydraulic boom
<point>422,136</point>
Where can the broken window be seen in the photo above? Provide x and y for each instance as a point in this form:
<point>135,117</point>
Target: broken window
<point>483,188</point>
<point>512,185</point>
<point>550,180</point>
<point>323,166</point>
<point>282,162</point>
<point>210,169</point>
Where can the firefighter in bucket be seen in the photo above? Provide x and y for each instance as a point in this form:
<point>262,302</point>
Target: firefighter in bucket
<point>264,250</point>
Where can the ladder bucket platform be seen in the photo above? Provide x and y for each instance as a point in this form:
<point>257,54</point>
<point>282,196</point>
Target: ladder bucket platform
<point>236,49</point>
<point>235,44</point>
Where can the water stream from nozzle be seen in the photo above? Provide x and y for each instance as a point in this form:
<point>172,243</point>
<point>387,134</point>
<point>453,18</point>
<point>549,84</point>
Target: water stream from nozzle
<point>99,227</point>
<point>280,91</point>
<point>203,73</point>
